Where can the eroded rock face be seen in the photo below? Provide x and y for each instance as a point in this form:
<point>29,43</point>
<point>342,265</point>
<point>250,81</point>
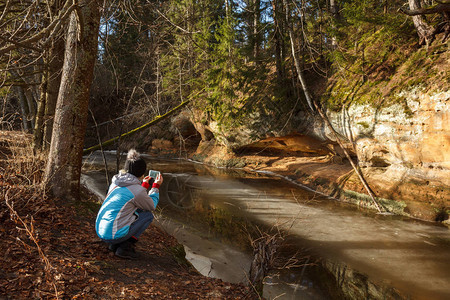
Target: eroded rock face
<point>405,147</point>
<point>402,148</point>
<point>300,144</point>
<point>414,134</point>
<point>183,125</point>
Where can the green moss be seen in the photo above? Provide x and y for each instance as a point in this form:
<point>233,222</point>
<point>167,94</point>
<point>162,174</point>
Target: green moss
<point>396,207</point>
<point>179,254</point>
<point>382,58</point>
<point>321,181</point>
<point>3,92</point>
<point>415,61</point>
<point>364,124</point>
<point>409,165</point>
<point>229,163</point>
<point>199,157</point>
<point>407,110</point>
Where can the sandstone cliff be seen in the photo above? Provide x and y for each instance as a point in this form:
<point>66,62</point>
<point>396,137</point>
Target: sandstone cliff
<point>397,129</point>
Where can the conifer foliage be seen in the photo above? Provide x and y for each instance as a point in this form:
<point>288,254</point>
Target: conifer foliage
<point>236,58</point>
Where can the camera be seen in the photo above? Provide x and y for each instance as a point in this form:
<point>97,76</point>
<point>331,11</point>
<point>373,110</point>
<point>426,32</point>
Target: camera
<point>153,174</point>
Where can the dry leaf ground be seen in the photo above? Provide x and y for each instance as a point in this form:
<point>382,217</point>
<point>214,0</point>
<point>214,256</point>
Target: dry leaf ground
<point>49,248</point>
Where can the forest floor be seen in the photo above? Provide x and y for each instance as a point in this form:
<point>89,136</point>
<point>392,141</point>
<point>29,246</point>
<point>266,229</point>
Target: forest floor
<point>49,248</point>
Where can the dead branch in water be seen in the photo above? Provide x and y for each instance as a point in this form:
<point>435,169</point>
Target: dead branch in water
<point>312,103</point>
<point>357,170</point>
<point>265,248</point>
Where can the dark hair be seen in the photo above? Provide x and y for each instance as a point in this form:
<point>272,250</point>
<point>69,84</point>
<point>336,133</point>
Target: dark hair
<point>135,164</point>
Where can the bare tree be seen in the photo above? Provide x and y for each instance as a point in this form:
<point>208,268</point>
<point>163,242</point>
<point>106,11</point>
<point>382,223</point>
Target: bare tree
<point>51,78</point>
<point>426,32</point>
<point>22,29</point>
<point>24,108</point>
<point>256,28</point>
<point>21,78</point>
<point>62,174</point>
<point>334,10</point>
<point>30,44</point>
<point>278,38</point>
<point>300,74</point>
<point>314,104</point>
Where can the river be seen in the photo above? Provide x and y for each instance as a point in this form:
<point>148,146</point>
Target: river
<point>335,249</point>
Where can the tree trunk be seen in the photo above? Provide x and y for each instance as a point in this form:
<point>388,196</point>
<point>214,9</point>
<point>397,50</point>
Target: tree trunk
<point>31,106</point>
<point>334,10</point>
<point>55,65</point>
<point>50,80</point>
<point>256,26</point>
<point>38,127</point>
<point>23,108</point>
<point>312,103</point>
<point>300,74</point>
<point>424,30</point>
<point>227,16</point>
<point>278,41</point>
<point>62,174</point>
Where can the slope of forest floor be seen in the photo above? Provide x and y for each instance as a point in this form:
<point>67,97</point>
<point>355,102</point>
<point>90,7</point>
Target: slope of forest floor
<point>50,249</point>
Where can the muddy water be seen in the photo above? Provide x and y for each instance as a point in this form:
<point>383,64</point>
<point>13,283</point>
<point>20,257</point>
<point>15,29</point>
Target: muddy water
<point>340,251</point>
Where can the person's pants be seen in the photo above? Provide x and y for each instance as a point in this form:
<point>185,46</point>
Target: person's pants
<point>137,227</point>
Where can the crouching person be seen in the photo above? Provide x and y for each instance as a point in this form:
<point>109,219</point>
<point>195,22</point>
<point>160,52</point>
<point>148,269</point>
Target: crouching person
<point>127,209</point>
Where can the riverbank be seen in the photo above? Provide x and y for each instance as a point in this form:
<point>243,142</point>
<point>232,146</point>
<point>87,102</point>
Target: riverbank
<point>303,161</point>
<point>50,249</point>
<point>369,255</point>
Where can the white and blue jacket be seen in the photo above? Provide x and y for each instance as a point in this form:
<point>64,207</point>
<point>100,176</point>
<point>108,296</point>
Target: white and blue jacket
<point>118,211</point>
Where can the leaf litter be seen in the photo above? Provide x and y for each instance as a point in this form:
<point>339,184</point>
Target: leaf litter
<point>50,250</point>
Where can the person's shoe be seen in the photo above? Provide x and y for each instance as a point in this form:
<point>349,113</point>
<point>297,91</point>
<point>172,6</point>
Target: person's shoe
<point>113,247</point>
<point>126,250</point>
<point>133,240</point>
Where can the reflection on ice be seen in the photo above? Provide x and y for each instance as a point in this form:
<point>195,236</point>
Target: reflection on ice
<point>411,256</point>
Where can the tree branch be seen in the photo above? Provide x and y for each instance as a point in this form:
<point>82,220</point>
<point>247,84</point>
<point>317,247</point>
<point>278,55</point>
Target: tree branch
<point>439,8</point>
<point>63,15</point>
<point>174,25</point>
<point>7,5</point>
<point>151,123</point>
<point>19,44</point>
